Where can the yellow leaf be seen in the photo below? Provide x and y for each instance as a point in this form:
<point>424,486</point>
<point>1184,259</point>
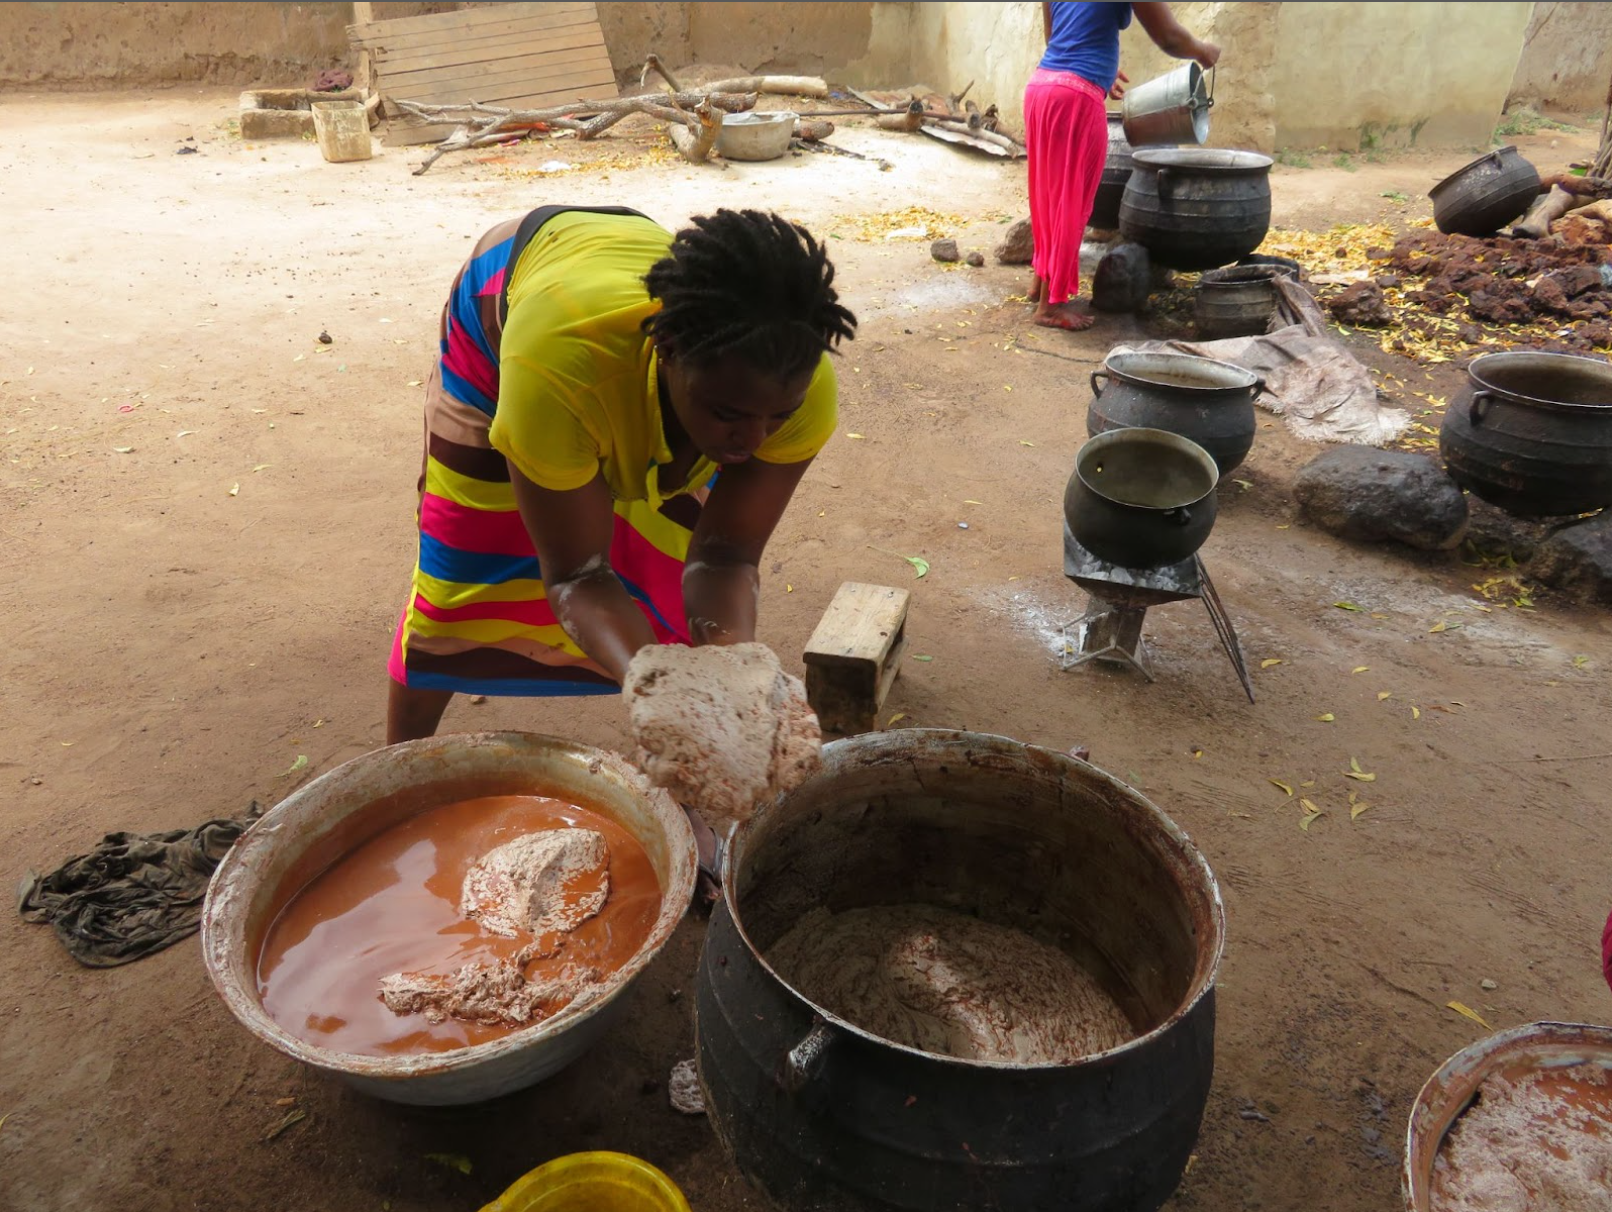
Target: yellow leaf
<point>1438,627</point>
<point>1354,764</point>
<point>1326,717</point>
<point>1416,713</point>
<point>1356,809</point>
<point>1468,1012</point>
<point>900,715</point>
<point>1023,442</point>
<point>235,490</point>
<point>1347,606</point>
<point>1384,694</point>
<point>415,382</point>
<point>853,435</point>
<point>788,588</point>
<point>966,501</point>
<point>1361,669</point>
<point>1307,783</point>
<point>1269,662</point>
<point>1197,753</point>
<point>1282,785</point>
<point>1359,777</point>
<point>1309,820</point>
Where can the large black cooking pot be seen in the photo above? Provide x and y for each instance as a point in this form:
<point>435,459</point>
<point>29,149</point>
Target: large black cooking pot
<point>1532,433</point>
<point>1481,197</point>
<point>1209,402</point>
<point>1194,207</point>
<point>827,1118</point>
<point>1116,172</point>
<point>1238,301</point>
<point>1141,498</point>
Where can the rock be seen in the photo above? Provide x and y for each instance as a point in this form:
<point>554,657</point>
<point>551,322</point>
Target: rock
<point>1357,492</point>
<point>1487,985</point>
<point>945,250</point>
<point>1578,560</point>
<point>1017,246</point>
<point>1496,534</point>
<point>1576,279</point>
<point>1123,279</point>
<point>1548,293</point>
<point>1361,305</point>
<point>976,259</point>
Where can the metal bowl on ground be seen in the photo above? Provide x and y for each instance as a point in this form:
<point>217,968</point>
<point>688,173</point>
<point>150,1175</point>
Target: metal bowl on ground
<point>1207,401</point>
<point>1141,498</point>
<point>1237,301</point>
<point>1116,172</point>
<point>302,835</point>
<point>823,1115</point>
<point>1532,433</point>
<point>1481,197</point>
<point>1196,208</point>
<point>1537,1048</point>
<point>755,136</point>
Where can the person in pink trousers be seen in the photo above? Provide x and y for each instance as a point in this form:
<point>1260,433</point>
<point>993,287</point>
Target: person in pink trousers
<point>1066,134</point>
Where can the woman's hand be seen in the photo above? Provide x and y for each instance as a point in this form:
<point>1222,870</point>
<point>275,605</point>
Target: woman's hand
<point>1117,91</point>
<point>1207,54</point>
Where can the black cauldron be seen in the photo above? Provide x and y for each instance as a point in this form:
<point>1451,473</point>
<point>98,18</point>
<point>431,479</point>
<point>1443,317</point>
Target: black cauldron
<point>1532,433</point>
<point>1141,498</point>
<point>826,1117</point>
<point>1207,401</point>
<point>1481,197</point>
<point>1116,172</point>
<point>1196,207</point>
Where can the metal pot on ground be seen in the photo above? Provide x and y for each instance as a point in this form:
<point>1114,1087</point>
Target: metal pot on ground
<point>1532,433</point>
<point>1483,196</point>
<point>1196,208</point>
<point>826,1117</point>
<point>1141,498</point>
<point>1209,402</point>
<point>1238,301</point>
<point>1116,172</point>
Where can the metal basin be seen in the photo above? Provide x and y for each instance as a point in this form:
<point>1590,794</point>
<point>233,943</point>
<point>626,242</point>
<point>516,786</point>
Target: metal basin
<point>825,1116</point>
<point>1204,400</point>
<point>755,136</point>
<point>303,834</point>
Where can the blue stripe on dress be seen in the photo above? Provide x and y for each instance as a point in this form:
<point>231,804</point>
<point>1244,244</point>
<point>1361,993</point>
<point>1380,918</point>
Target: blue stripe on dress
<point>558,687</point>
<point>446,563</point>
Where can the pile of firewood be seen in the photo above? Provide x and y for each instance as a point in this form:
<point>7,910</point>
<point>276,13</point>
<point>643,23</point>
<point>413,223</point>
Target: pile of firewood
<point>1581,186</point>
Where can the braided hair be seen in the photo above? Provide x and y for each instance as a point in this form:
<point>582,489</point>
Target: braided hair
<point>751,284</point>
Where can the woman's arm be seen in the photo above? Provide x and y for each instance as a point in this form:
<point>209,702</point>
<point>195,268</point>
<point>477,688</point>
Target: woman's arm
<point>722,579</point>
<point>1171,37</point>
<point>572,532</point>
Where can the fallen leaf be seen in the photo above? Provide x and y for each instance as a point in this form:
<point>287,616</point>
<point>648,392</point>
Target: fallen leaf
<point>184,433</point>
<point>453,1161</point>
<point>1468,1012</point>
<point>122,450</point>
<point>1314,815</point>
<point>235,490</point>
<point>1360,776</point>
<point>415,382</point>
<point>1384,694</point>
<point>1326,717</point>
<point>966,501</point>
<point>1438,627</point>
<point>1361,669</point>
<point>262,466</point>
<point>285,1102</point>
<point>918,563</point>
<point>1308,806</point>
<point>1349,606</point>
<point>1307,783</point>
<point>1580,661</point>
<point>1197,753</point>
<point>300,764</point>
<point>1282,785</point>
<point>1416,713</point>
<point>1270,662</point>
<point>1354,764</point>
<point>319,723</point>
<point>853,435</point>
<point>299,357</point>
<point>292,1117</point>
<point>923,658</point>
<point>788,588</point>
<point>1356,809</point>
<point>900,715</point>
<point>1023,442</point>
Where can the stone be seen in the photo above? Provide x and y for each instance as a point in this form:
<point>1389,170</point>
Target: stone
<point>976,259</point>
<point>1548,293</point>
<point>945,250</point>
<point>1577,560</point>
<point>1357,492</point>
<point>1494,534</point>
<point>1576,279</point>
<point>1361,305</point>
<point>1017,246</point>
<point>1123,279</point>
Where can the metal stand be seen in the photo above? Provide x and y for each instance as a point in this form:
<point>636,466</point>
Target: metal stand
<point>1110,630</point>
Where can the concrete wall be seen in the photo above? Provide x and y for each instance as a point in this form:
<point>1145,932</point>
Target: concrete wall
<point>1348,76</point>
<point>105,45</point>
<point>1244,113</point>
<point>1566,62</point>
<point>996,46</point>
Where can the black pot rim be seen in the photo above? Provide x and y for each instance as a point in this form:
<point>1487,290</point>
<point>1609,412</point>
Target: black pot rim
<point>1140,379</point>
<point>1196,994</point>
<point>1131,433</point>
<point>1461,172</point>
<point>1475,367</point>
<point>1214,161</point>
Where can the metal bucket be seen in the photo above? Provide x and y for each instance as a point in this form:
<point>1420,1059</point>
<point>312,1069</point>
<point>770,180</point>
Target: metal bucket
<point>298,838</point>
<point>1170,109</point>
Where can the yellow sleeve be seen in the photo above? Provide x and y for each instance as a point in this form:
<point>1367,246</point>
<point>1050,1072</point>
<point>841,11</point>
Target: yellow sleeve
<point>808,431</point>
<point>541,426</point>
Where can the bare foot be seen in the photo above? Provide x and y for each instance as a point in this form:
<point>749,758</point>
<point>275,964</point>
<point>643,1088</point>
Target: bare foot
<point>1033,291</point>
<point>1064,316</point>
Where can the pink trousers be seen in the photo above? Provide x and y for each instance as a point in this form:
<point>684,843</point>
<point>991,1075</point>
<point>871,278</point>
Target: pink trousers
<point>1066,136</point>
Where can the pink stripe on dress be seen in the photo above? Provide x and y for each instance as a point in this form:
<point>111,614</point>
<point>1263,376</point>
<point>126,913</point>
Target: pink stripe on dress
<point>486,531</point>
<point>534,612</point>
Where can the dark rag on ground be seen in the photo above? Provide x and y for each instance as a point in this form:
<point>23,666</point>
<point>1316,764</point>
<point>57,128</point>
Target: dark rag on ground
<point>133,894</point>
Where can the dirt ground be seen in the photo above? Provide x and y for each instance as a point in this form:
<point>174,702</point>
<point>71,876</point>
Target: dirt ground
<point>218,511</point>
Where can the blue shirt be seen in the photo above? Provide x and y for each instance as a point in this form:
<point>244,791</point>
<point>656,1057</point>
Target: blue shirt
<point>1085,40</point>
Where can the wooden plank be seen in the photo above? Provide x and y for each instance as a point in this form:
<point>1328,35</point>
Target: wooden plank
<point>464,20</point>
<point>557,90</point>
<point>530,75</point>
<point>364,69</point>
<point>860,626</point>
<point>449,63</point>
<point>468,49</point>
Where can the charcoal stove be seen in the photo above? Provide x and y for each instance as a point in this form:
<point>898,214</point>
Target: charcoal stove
<point>1110,629</point>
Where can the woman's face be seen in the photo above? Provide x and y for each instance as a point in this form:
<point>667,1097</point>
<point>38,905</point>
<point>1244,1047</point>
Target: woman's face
<point>727,407</point>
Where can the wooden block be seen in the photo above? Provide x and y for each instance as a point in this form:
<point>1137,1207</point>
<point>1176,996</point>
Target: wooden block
<point>854,655</point>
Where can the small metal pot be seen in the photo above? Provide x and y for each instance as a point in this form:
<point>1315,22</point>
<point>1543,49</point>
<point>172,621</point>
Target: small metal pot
<point>1141,498</point>
<point>1236,302</point>
<point>1481,197</point>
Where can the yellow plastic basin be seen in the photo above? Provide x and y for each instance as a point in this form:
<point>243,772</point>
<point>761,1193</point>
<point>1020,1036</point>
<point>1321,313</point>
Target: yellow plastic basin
<point>592,1182</point>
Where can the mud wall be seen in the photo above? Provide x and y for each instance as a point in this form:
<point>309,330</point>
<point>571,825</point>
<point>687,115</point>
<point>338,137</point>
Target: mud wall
<point>1353,76</point>
<point>1566,59</point>
<point>122,45</point>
